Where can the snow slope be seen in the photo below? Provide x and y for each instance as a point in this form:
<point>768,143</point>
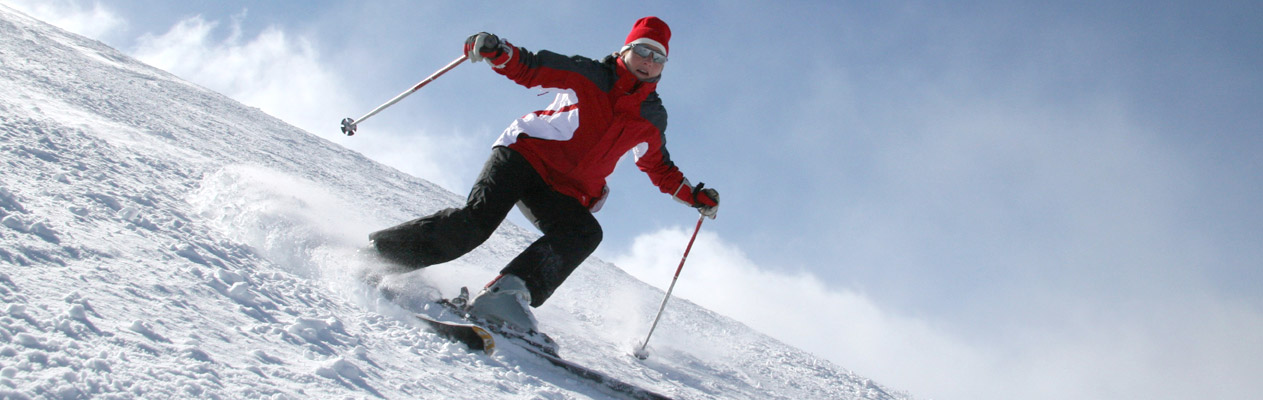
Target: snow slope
<point>160,240</point>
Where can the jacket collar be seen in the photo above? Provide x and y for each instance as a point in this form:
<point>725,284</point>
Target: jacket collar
<point>628,83</point>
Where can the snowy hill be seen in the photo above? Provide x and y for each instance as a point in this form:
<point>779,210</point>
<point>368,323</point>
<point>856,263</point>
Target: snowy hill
<point>160,240</point>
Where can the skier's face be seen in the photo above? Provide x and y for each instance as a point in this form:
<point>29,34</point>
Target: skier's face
<point>644,68</point>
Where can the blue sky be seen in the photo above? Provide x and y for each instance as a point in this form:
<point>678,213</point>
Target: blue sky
<point>964,200</point>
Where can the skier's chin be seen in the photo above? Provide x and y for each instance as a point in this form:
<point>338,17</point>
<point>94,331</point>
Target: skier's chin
<point>642,75</point>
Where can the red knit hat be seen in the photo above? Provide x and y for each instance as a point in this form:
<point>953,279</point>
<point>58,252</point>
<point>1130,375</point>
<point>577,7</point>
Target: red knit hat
<point>652,31</point>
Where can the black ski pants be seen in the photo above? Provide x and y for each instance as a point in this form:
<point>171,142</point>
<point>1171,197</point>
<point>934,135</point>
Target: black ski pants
<point>571,232</point>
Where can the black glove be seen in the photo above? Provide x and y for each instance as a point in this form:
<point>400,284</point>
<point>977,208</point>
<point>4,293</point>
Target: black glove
<point>482,46</point>
<point>704,199</point>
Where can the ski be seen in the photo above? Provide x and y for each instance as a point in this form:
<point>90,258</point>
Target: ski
<point>471,335</point>
<point>478,336</point>
<point>632,391</point>
<point>537,340</point>
<point>479,339</point>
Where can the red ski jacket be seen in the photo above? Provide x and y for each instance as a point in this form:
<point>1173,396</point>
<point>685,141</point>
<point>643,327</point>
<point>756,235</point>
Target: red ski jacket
<point>601,111</point>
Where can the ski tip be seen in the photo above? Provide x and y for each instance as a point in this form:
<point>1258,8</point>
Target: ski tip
<point>488,342</point>
<point>473,336</point>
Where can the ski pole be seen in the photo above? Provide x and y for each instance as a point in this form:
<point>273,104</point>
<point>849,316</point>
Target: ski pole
<point>642,353</point>
<point>349,125</point>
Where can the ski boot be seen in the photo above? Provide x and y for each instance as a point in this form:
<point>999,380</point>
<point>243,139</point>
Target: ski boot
<point>506,301</point>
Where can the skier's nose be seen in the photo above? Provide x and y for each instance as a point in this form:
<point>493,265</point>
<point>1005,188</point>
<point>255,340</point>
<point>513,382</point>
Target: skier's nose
<point>645,61</point>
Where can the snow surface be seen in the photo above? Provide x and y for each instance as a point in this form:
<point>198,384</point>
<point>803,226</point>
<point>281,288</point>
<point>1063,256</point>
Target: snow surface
<point>159,240</point>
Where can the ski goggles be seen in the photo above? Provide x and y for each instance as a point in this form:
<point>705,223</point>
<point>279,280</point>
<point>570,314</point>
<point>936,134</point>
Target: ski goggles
<point>644,50</point>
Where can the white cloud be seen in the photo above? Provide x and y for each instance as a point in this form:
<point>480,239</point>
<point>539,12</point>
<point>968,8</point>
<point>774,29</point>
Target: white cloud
<point>843,326</point>
<point>97,22</point>
<point>1183,347</point>
<point>284,75</point>
<point>280,73</point>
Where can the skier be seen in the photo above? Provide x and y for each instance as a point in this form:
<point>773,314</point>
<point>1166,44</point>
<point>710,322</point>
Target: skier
<point>553,164</point>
